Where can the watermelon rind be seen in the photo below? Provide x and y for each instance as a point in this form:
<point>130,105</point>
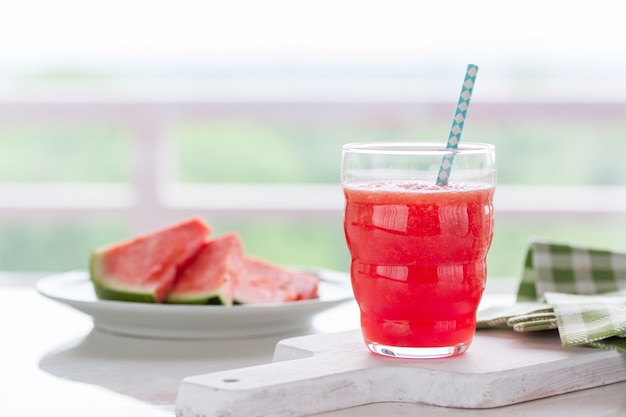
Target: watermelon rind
<point>108,293</point>
<point>214,298</point>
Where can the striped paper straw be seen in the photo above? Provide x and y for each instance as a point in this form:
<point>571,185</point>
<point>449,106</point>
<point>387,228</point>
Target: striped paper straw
<point>457,123</point>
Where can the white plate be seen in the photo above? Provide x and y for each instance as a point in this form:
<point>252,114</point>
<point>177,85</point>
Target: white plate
<point>175,321</point>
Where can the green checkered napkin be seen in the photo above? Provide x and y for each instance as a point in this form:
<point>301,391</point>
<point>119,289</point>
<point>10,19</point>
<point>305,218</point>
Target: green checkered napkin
<point>579,291</point>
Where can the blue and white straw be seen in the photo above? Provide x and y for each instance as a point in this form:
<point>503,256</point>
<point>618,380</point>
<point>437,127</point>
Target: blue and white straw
<point>457,123</point>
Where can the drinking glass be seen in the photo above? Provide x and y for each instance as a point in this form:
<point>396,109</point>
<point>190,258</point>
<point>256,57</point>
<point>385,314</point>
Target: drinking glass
<point>418,246</point>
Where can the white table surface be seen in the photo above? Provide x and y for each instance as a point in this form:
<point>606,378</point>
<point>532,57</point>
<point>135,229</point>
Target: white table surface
<point>54,364</point>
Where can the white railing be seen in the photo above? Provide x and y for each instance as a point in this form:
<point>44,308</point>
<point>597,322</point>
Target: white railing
<point>151,196</point>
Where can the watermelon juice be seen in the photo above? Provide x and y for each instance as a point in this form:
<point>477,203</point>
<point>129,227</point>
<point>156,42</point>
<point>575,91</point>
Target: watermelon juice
<point>418,263</point>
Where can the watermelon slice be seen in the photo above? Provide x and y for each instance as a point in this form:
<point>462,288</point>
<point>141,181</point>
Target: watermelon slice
<point>211,275</point>
<point>144,269</point>
<point>264,282</point>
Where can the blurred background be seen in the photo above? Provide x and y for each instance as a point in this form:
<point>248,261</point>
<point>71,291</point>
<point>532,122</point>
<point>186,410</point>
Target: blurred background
<point>119,117</point>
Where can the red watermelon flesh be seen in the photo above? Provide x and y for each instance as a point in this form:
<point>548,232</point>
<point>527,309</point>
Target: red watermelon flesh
<point>264,282</point>
<point>211,275</point>
<point>144,268</point>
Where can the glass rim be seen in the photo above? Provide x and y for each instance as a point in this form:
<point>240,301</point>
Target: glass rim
<point>408,148</point>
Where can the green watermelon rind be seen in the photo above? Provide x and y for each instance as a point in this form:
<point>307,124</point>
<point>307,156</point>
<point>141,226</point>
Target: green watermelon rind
<point>211,298</point>
<point>105,292</point>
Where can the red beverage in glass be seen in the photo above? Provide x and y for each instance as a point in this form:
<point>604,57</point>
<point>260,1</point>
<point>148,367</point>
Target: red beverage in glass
<point>418,262</point>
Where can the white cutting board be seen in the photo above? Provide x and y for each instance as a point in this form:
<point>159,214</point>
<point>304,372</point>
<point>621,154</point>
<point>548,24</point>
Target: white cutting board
<point>324,372</point>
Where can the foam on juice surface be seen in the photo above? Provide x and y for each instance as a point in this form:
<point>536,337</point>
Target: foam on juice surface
<point>416,186</point>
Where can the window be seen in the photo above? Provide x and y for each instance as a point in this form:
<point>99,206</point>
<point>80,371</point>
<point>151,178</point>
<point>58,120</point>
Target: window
<point>130,115</point>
